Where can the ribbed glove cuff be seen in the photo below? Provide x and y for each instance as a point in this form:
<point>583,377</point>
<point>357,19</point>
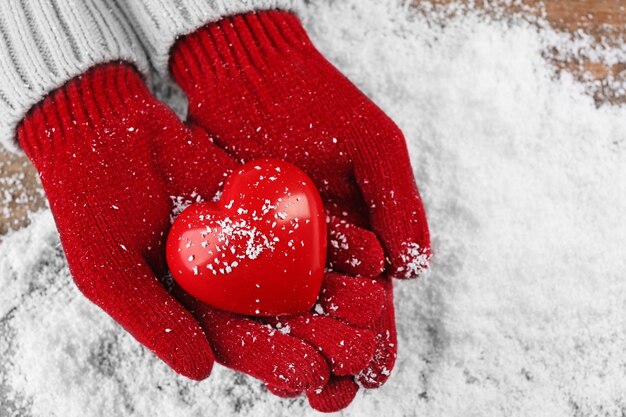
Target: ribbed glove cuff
<point>44,45</point>
<point>161,22</point>
<point>238,47</point>
<point>82,108</point>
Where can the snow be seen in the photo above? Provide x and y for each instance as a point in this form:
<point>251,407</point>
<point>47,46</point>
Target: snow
<point>416,260</point>
<point>230,231</point>
<point>180,203</point>
<point>524,181</point>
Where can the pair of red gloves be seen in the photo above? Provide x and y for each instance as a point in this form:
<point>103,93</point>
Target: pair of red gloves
<point>113,160</point>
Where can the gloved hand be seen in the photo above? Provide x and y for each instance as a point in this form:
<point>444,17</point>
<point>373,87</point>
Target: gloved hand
<point>261,89</point>
<point>111,157</point>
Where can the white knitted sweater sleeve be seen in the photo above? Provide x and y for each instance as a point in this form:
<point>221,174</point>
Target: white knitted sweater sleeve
<point>160,22</point>
<point>45,43</point>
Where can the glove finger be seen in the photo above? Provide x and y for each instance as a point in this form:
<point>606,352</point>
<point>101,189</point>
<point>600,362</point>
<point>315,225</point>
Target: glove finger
<point>258,350</point>
<point>125,287</point>
<point>383,173</point>
<point>282,392</point>
<point>356,301</point>
<point>348,350</point>
<point>334,396</point>
<point>353,250</point>
<point>379,369</point>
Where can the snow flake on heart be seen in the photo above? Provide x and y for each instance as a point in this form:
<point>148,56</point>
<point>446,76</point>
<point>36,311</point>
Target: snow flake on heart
<point>229,241</point>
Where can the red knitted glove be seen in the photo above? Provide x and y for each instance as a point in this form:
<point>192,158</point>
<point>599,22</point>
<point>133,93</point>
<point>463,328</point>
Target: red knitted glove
<point>259,86</point>
<point>110,157</point>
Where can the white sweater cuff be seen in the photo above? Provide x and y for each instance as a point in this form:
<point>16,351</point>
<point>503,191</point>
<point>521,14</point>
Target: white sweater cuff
<point>161,22</point>
<point>45,43</point>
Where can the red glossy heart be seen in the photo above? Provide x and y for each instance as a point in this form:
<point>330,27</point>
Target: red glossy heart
<point>260,250</point>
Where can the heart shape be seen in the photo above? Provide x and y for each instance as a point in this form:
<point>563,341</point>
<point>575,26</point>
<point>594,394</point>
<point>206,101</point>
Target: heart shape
<point>260,250</point>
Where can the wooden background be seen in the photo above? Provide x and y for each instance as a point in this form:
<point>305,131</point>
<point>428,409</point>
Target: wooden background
<point>605,20</point>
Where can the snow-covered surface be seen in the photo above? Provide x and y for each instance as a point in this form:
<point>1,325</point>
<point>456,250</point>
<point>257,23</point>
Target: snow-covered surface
<point>524,181</point>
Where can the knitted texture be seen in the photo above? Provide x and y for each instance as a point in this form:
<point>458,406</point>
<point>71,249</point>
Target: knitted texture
<point>43,44</point>
<point>379,369</point>
<point>110,157</point>
<point>336,395</point>
<point>342,387</point>
<point>91,143</point>
<point>161,22</point>
<point>261,89</point>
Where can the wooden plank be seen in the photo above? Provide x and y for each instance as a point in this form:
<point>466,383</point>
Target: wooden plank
<point>604,20</point>
<point>596,17</point>
<point>20,191</point>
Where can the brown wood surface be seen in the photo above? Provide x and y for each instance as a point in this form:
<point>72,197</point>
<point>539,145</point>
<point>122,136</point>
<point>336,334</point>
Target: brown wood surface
<point>20,191</point>
<point>596,17</point>
<point>605,20</point>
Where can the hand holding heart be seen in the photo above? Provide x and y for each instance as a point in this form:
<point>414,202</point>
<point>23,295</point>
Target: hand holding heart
<point>275,96</point>
<point>306,348</point>
<point>113,213</point>
<point>113,160</point>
